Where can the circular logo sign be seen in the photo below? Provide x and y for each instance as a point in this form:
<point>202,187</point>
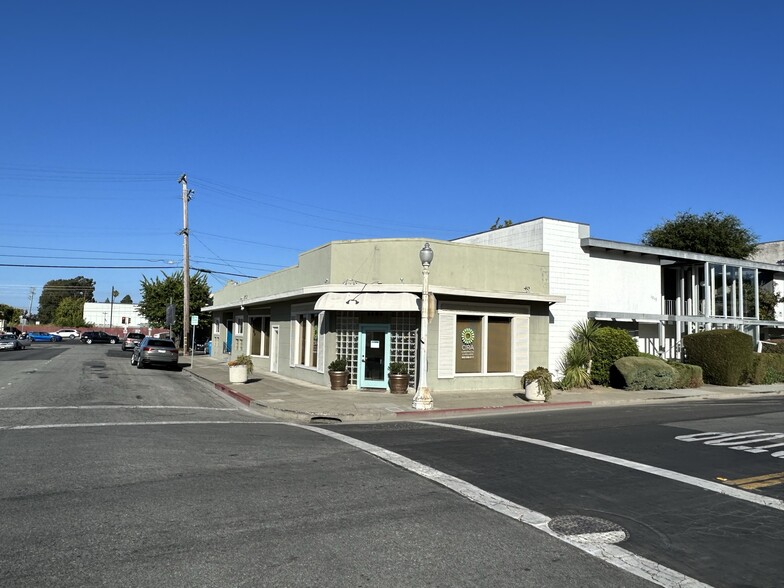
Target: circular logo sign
<point>467,336</point>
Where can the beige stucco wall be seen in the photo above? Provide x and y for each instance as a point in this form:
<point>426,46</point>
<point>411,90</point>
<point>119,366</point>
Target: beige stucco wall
<point>396,262</point>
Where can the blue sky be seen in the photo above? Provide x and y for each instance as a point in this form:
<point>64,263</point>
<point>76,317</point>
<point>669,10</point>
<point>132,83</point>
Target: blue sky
<point>303,122</point>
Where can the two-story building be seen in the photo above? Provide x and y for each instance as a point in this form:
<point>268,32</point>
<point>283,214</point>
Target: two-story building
<point>658,295</point>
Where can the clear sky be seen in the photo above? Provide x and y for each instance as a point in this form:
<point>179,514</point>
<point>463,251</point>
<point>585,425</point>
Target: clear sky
<point>303,122</point>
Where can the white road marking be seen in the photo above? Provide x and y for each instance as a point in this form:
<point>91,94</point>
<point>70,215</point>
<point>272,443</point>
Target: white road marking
<point>641,467</point>
<point>110,406</point>
<point>612,554</point>
<point>130,424</point>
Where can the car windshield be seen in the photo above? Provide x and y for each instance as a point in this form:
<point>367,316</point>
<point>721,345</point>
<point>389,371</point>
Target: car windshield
<point>7,337</point>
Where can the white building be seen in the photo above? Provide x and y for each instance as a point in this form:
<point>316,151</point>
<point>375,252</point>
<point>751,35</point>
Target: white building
<point>657,294</point>
<point>106,314</point>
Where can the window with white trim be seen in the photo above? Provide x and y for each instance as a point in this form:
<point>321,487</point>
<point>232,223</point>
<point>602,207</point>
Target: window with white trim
<point>216,326</point>
<point>239,326</point>
<point>259,335</point>
<point>306,339</point>
<point>484,344</point>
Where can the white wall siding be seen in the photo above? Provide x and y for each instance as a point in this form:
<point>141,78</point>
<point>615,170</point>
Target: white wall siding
<point>626,285</point>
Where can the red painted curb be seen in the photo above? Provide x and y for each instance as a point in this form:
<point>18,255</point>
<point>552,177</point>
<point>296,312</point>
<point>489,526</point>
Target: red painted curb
<point>246,400</point>
<point>481,408</point>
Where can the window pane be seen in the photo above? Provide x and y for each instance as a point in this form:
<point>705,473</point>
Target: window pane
<point>468,351</point>
<point>314,341</point>
<point>499,344</point>
<point>255,335</point>
<point>265,332</point>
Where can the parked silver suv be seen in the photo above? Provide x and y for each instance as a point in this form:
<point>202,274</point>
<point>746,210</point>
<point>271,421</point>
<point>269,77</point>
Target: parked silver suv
<point>131,339</point>
<point>152,351</point>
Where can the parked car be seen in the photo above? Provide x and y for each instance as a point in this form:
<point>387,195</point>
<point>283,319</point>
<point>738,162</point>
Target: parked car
<point>131,339</point>
<point>68,333</point>
<point>9,341</point>
<point>41,336</point>
<point>90,337</point>
<point>152,351</point>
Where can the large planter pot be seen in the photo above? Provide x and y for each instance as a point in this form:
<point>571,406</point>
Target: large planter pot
<point>338,380</point>
<point>398,383</point>
<point>533,393</point>
<point>238,374</point>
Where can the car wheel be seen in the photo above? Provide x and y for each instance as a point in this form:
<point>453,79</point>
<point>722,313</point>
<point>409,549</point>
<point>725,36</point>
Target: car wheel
<point>112,341</point>
<point>133,361</point>
<point>88,341</point>
<point>139,364</point>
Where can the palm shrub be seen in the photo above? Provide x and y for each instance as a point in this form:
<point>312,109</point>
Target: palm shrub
<point>583,335</point>
<point>611,345</point>
<point>574,367</point>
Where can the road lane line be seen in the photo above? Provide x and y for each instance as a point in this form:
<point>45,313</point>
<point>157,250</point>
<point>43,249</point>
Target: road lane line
<point>634,465</point>
<point>131,424</point>
<point>109,406</point>
<point>612,554</point>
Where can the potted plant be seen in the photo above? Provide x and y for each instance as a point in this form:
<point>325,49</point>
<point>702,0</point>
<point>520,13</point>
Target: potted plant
<point>538,384</point>
<point>398,377</point>
<point>239,369</point>
<point>338,376</point>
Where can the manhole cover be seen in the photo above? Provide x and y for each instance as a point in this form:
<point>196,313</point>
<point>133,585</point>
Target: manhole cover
<point>588,529</point>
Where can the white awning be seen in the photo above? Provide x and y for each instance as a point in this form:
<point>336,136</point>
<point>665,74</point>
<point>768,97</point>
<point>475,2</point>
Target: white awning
<point>390,301</point>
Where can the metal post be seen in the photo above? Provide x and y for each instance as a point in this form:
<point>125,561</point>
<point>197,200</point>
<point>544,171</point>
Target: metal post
<point>422,399</point>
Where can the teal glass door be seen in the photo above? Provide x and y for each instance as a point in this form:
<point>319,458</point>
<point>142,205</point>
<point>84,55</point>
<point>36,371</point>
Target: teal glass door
<point>373,356</point>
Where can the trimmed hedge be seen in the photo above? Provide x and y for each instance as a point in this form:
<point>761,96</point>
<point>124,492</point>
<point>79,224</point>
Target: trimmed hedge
<point>767,368</point>
<point>689,376</point>
<point>725,355</point>
<point>611,345</point>
<point>642,373</point>
<point>778,346</point>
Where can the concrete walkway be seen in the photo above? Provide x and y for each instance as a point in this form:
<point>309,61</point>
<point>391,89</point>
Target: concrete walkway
<point>292,400</point>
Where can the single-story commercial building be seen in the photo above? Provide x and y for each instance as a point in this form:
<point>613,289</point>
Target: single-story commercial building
<point>488,314</point>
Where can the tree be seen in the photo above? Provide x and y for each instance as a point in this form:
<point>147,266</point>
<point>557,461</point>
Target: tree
<point>712,233</point>
<point>10,315</point>
<point>54,291</point>
<point>499,225</point>
<point>158,293</point>
<point>126,299</point>
<point>70,313</point>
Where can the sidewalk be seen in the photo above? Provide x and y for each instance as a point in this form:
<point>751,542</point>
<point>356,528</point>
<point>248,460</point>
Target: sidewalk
<point>292,400</point>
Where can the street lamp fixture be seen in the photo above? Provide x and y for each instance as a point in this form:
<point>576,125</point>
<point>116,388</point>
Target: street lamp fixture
<point>422,399</point>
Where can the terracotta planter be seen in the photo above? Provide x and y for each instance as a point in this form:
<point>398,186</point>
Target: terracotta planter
<point>238,374</point>
<point>398,383</point>
<point>338,380</point>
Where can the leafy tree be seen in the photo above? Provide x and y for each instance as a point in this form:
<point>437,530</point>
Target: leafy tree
<point>54,291</point>
<point>158,293</point>
<point>768,299</point>
<point>70,313</point>
<point>10,315</point>
<point>713,233</point>
<point>499,225</point>
<point>126,299</point>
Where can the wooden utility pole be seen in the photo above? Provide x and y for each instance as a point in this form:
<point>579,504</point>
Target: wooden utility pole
<point>186,269</point>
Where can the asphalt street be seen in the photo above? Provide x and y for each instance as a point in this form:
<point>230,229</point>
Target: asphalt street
<point>111,475</point>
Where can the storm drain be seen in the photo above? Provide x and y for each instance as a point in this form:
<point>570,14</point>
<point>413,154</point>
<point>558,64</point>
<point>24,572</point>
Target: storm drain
<point>325,420</point>
<point>588,529</point>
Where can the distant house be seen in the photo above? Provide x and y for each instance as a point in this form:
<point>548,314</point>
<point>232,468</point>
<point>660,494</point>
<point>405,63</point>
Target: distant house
<point>770,252</point>
<point>106,314</point>
<point>658,295</point>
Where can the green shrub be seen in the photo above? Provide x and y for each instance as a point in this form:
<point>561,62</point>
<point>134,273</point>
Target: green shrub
<point>767,368</point>
<point>642,373</point>
<point>541,375</point>
<point>689,376</point>
<point>725,355</point>
<point>611,345</point>
<point>776,347</point>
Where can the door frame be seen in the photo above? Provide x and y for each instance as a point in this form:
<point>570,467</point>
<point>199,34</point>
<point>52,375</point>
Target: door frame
<point>363,329</point>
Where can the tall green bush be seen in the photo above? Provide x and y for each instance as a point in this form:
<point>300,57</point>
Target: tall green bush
<point>689,376</point>
<point>725,355</point>
<point>611,345</point>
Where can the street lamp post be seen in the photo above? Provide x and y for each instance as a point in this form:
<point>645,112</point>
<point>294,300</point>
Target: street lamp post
<point>422,399</point>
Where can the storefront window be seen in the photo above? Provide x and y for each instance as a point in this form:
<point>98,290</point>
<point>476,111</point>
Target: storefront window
<point>484,344</point>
